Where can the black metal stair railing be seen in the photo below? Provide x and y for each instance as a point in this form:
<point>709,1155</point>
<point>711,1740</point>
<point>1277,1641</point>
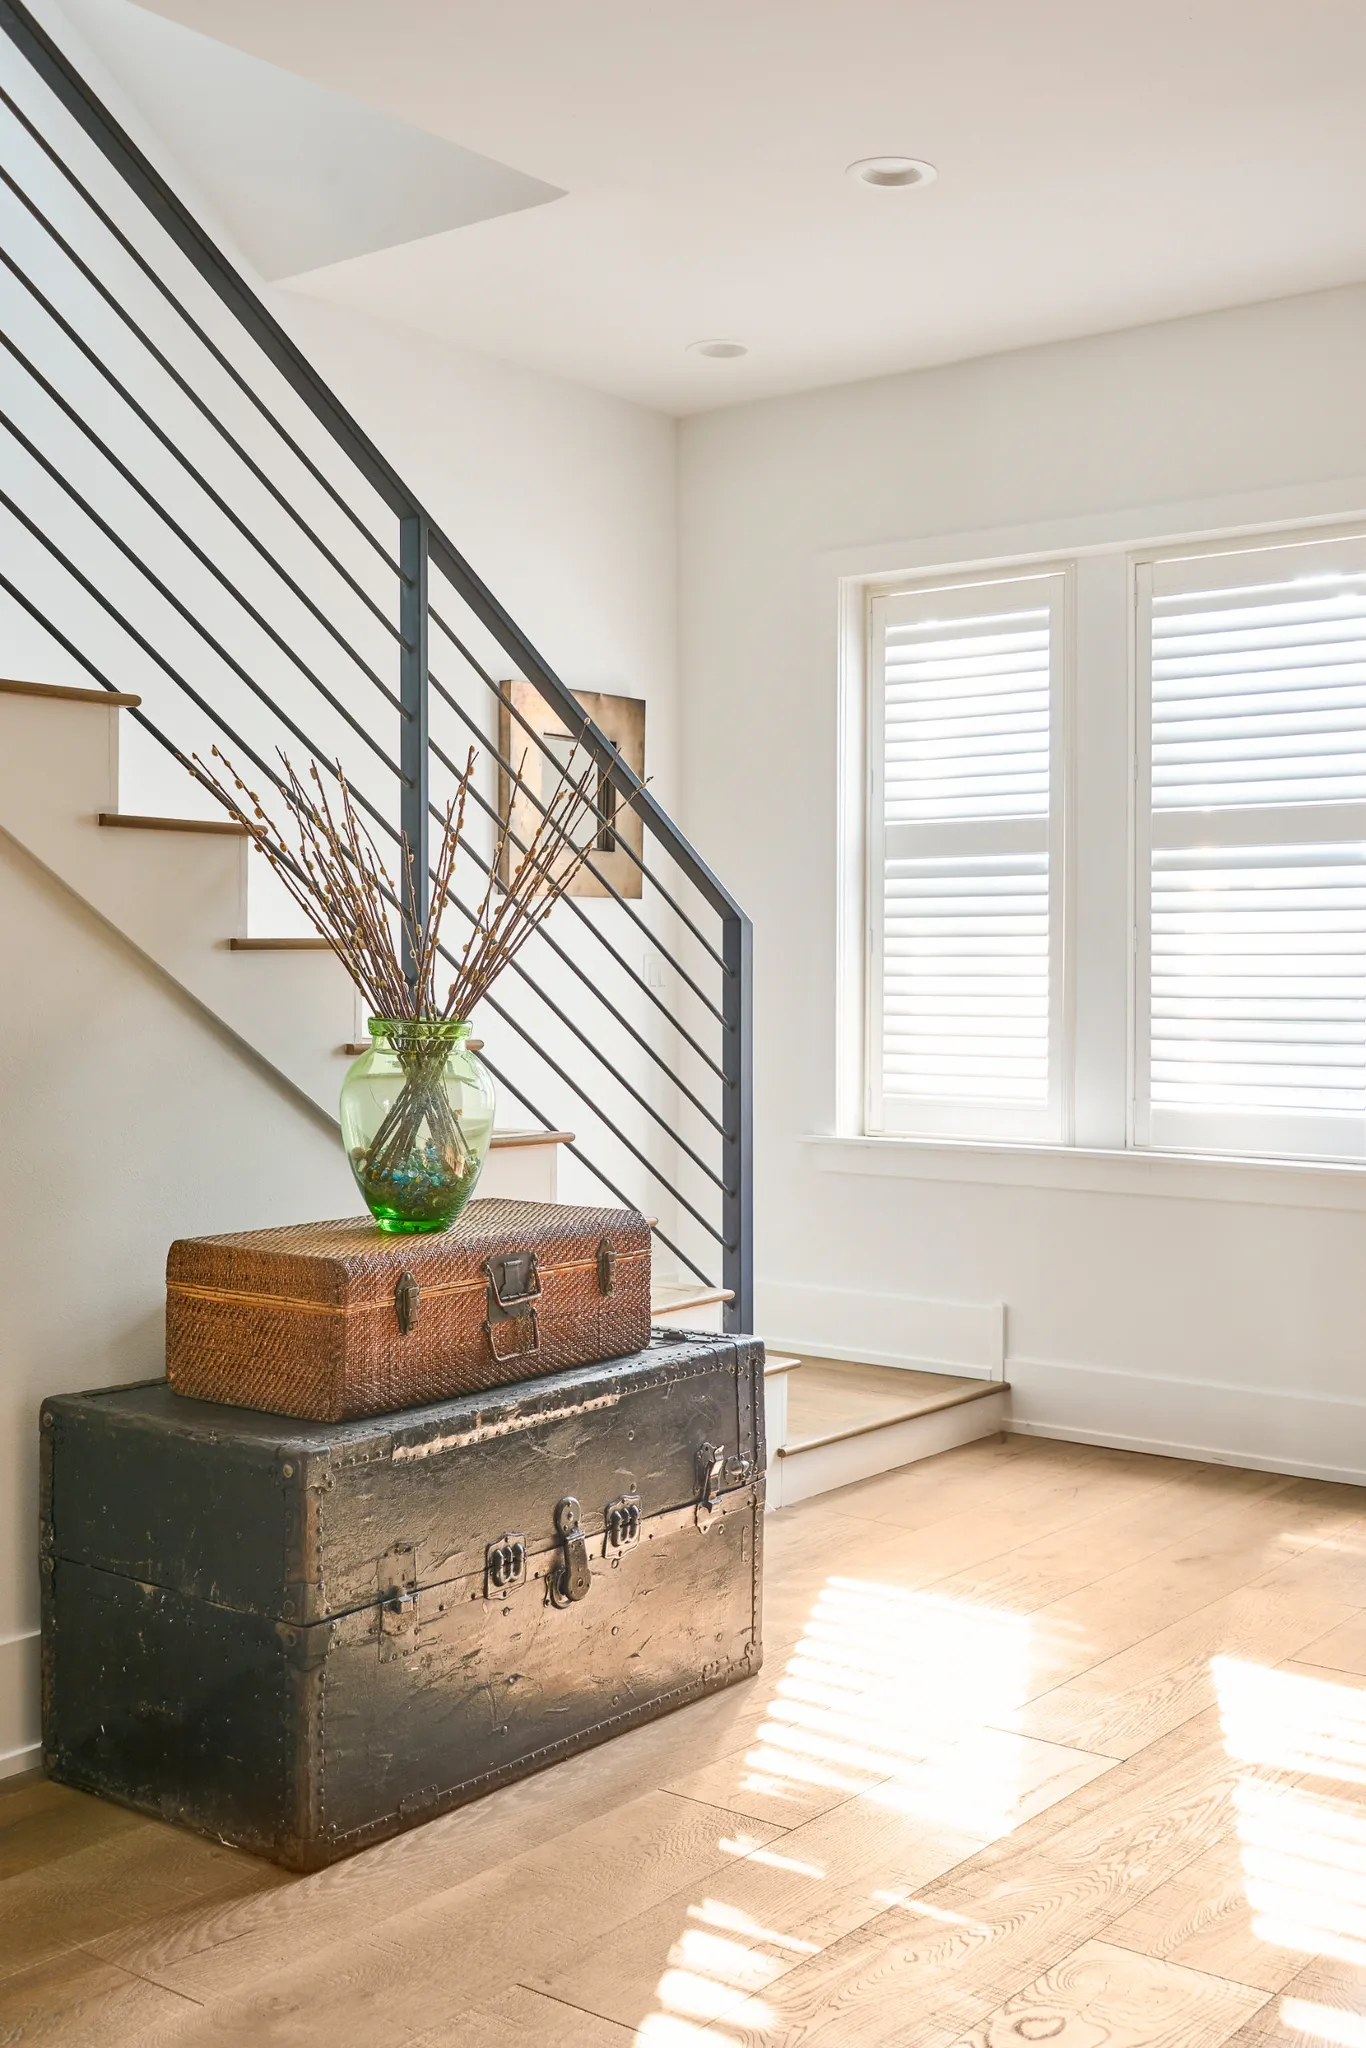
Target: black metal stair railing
<point>191,515</point>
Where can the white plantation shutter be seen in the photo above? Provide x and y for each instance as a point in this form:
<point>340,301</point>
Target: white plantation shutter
<point>965,931</point>
<point>1252,1025</point>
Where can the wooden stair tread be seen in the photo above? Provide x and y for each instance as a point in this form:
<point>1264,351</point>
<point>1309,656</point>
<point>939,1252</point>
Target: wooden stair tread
<point>675,1299</point>
<point>776,1366</point>
<point>299,945</point>
<point>131,822</point>
<point>532,1138</point>
<point>68,693</point>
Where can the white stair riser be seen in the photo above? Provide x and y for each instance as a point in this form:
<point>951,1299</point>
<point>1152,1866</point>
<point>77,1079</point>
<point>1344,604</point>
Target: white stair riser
<point>711,1316</point>
<point>801,1474</point>
<point>522,1173</point>
<point>775,1412</point>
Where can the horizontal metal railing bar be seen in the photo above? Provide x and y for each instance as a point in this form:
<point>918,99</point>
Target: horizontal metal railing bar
<point>200,332</point>
<point>183,610</point>
<point>634,915</point>
<point>473,662</point>
<point>588,1100</point>
<point>575,1150</point>
<point>201,405</point>
<point>547,1123</point>
<point>155,655</point>
<point>186,539</point>
<point>590,1045</point>
<point>214,496</point>
<point>617,1076</point>
<point>554,945</point>
<point>265,769</point>
<point>596,1110</point>
<point>66,83</point>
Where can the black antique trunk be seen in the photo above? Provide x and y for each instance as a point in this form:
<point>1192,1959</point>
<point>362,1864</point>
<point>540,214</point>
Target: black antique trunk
<point>302,1637</point>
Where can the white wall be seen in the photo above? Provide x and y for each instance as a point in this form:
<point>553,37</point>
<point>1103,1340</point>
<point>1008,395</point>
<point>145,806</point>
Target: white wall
<point>129,1119</point>
<point>1218,1309</point>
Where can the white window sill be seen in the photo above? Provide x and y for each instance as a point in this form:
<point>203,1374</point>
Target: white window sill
<point>1179,1176</point>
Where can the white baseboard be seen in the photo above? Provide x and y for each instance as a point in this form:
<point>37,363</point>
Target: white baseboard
<point>800,1474</point>
<point>19,1730</point>
<point>1304,1434</point>
<point>884,1329</point>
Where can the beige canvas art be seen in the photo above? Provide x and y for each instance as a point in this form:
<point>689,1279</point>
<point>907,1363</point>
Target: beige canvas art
<point>524,719</point>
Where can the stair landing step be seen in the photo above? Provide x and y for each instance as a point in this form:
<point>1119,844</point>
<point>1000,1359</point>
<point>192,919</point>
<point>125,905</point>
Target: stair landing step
<point>299,945</point>
<point>865,1424</point>
<point>9,687</point>
<point>132,823</point>
<point>856,1425</point>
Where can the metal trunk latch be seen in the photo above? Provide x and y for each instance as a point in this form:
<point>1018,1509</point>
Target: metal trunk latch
<point>573,1579</point>
<point>711,1470</point>
<point>514,1288</point>
<point>621,1522</point>
<point>505,1565</point>
<point>398,1608</point>
<point>607,1268</point>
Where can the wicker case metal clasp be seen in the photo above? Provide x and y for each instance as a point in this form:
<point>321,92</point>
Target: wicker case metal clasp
<point>514,1288</point>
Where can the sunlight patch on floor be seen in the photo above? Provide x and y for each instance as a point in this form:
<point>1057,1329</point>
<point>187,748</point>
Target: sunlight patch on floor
<point>1302,1844</point>
<point>884,1700</point>
<point>1322,2023</point>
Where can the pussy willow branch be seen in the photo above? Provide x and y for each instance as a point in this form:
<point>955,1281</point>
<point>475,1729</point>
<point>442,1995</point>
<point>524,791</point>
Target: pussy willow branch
<point>327,858</point>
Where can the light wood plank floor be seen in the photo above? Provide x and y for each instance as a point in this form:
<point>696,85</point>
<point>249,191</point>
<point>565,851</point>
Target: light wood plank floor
<point>1052,1744</point>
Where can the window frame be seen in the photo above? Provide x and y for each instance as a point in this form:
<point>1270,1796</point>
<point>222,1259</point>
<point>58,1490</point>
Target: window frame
<point>966,1119</point>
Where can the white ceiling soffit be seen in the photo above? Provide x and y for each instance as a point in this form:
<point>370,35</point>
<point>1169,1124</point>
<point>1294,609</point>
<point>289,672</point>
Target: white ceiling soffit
<point>1100,165</point>
<point>301,175</point>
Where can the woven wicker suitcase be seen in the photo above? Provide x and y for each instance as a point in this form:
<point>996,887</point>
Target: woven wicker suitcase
<point>335,1321</point>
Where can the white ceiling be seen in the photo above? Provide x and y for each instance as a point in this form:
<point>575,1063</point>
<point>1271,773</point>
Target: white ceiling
<point>1101,164</point>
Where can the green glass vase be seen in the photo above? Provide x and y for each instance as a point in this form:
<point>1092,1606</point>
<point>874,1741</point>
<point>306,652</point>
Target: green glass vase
<point>416,1118</point>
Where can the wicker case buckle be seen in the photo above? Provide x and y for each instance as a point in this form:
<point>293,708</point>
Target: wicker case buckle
<point>514,1288</point>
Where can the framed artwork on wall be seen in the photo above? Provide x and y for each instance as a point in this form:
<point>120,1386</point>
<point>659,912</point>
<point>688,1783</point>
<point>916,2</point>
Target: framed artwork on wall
<point>619,832</point>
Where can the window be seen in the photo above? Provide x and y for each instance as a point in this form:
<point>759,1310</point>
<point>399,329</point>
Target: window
<point>1116,881</point>
<point>1250,1026</point>
<point>966,871</point>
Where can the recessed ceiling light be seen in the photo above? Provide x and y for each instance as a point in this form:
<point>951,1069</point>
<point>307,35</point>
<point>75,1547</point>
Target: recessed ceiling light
<point>893,173</point>
<point>717,348</point>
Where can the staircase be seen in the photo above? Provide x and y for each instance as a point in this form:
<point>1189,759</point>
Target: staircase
<point>215,555</point>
